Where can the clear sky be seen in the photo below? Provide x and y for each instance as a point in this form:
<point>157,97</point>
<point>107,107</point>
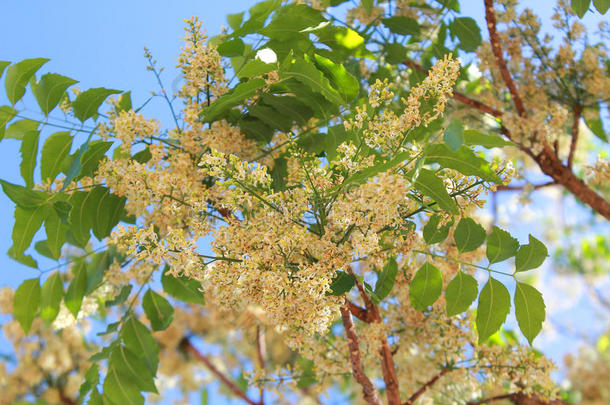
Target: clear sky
<point>101,45</point>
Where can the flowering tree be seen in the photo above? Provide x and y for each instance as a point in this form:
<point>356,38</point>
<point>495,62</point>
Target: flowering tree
<point>313,211</point>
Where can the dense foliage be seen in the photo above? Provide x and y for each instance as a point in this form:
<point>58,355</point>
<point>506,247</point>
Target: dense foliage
<point>315,210</point>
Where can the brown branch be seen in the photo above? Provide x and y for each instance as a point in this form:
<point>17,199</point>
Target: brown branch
<point>490,399</point>
<point>387,360</point>
<point>361,313</point>
<point>66,399</point>
<point>261,355</point>
<point>426,387</point>
<point>368,390</point>
<point>519,398</point>
<point>494,39</point>
<point>551,165</point>
<point>574,142</point>
<point>188,346</point>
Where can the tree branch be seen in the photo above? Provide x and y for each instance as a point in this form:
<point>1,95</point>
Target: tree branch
<point>188,346</point>
<point>387,359</point>
<point>361,313</point>
<point>261,355</point>
<point>551,165</point>
<point>494,39</point>
<point>577,113</point>
<point>519,398</point>
<point>368,390</point>
<point>66,399</point>
<point>426,387</point>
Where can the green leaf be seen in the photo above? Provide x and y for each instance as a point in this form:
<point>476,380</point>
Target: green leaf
<point>272,117</point>
<point>121,389</point>
<point>88,102</point>
<point>290,20</point>
<point>307,377</point>
<point>25,303</point>
<point>27,223</point>
<point>124,102</point>
<point>18,129</point>
<point>468,235</point>
<point>258,14</point>
<point>18,75</point>
<point>6,114</point>
<point>500,245</point>
<point>130,364</point>
<point>3,65</point>
<point>49,90</point>
<point>92,378</point>
<point>367,5</point>
<point>54,152</point>
<point>306,73</point>
<point>181,287</point>
<point>24,197</point>
<point>76,290</point>
<point>474,137</point>
<point>158,310</point>
<point>80,218</point>
<point>531,255</point>
<point>343,81</point>
<point>460,293</point>
<point>50,298</point>
<point>467,31</point>
<point>402,25</point>
<point>139,340</point>
<point>530,310</point>
<point>104,210</point>
<point>240,93</point>
<point>56,234</point>
<point>453,135</point>
<point>29,152</point>
<point>463,160</point>
<point>430,185</point>
<point>601,5</point>
<point>493,307</point>
<point>234,47</point>
<point>385,281</point>
<point>121,297</point>
<point>255,67</point>
<point>90,159</point>
<point>235,20</point>
<point>433,233</point>
<point>341,284</point>
<point>425,287</point>
<point>580,7</point>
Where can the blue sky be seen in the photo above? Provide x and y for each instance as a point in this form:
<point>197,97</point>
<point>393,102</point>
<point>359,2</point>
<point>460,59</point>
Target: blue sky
<point>101,45</point>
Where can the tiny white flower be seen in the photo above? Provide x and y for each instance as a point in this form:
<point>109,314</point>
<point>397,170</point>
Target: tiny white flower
<point>266,55</point>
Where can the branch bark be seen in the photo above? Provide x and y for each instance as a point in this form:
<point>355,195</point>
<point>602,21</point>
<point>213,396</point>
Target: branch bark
<point>188,346</point>
<point>574,142</point>
<point>494,39</point>
<point>519,398</point>
<point>387,359</point>
<point>368,390</point>
<point>426,387</point>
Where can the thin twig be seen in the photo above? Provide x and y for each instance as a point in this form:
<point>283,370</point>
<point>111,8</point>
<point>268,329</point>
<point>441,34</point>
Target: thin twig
<point>574,142</point>
<point>426,387</point>
<point>186,344</point>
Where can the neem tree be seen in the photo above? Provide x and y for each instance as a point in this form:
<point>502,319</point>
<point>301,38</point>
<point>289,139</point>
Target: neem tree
<point>311,212</point>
